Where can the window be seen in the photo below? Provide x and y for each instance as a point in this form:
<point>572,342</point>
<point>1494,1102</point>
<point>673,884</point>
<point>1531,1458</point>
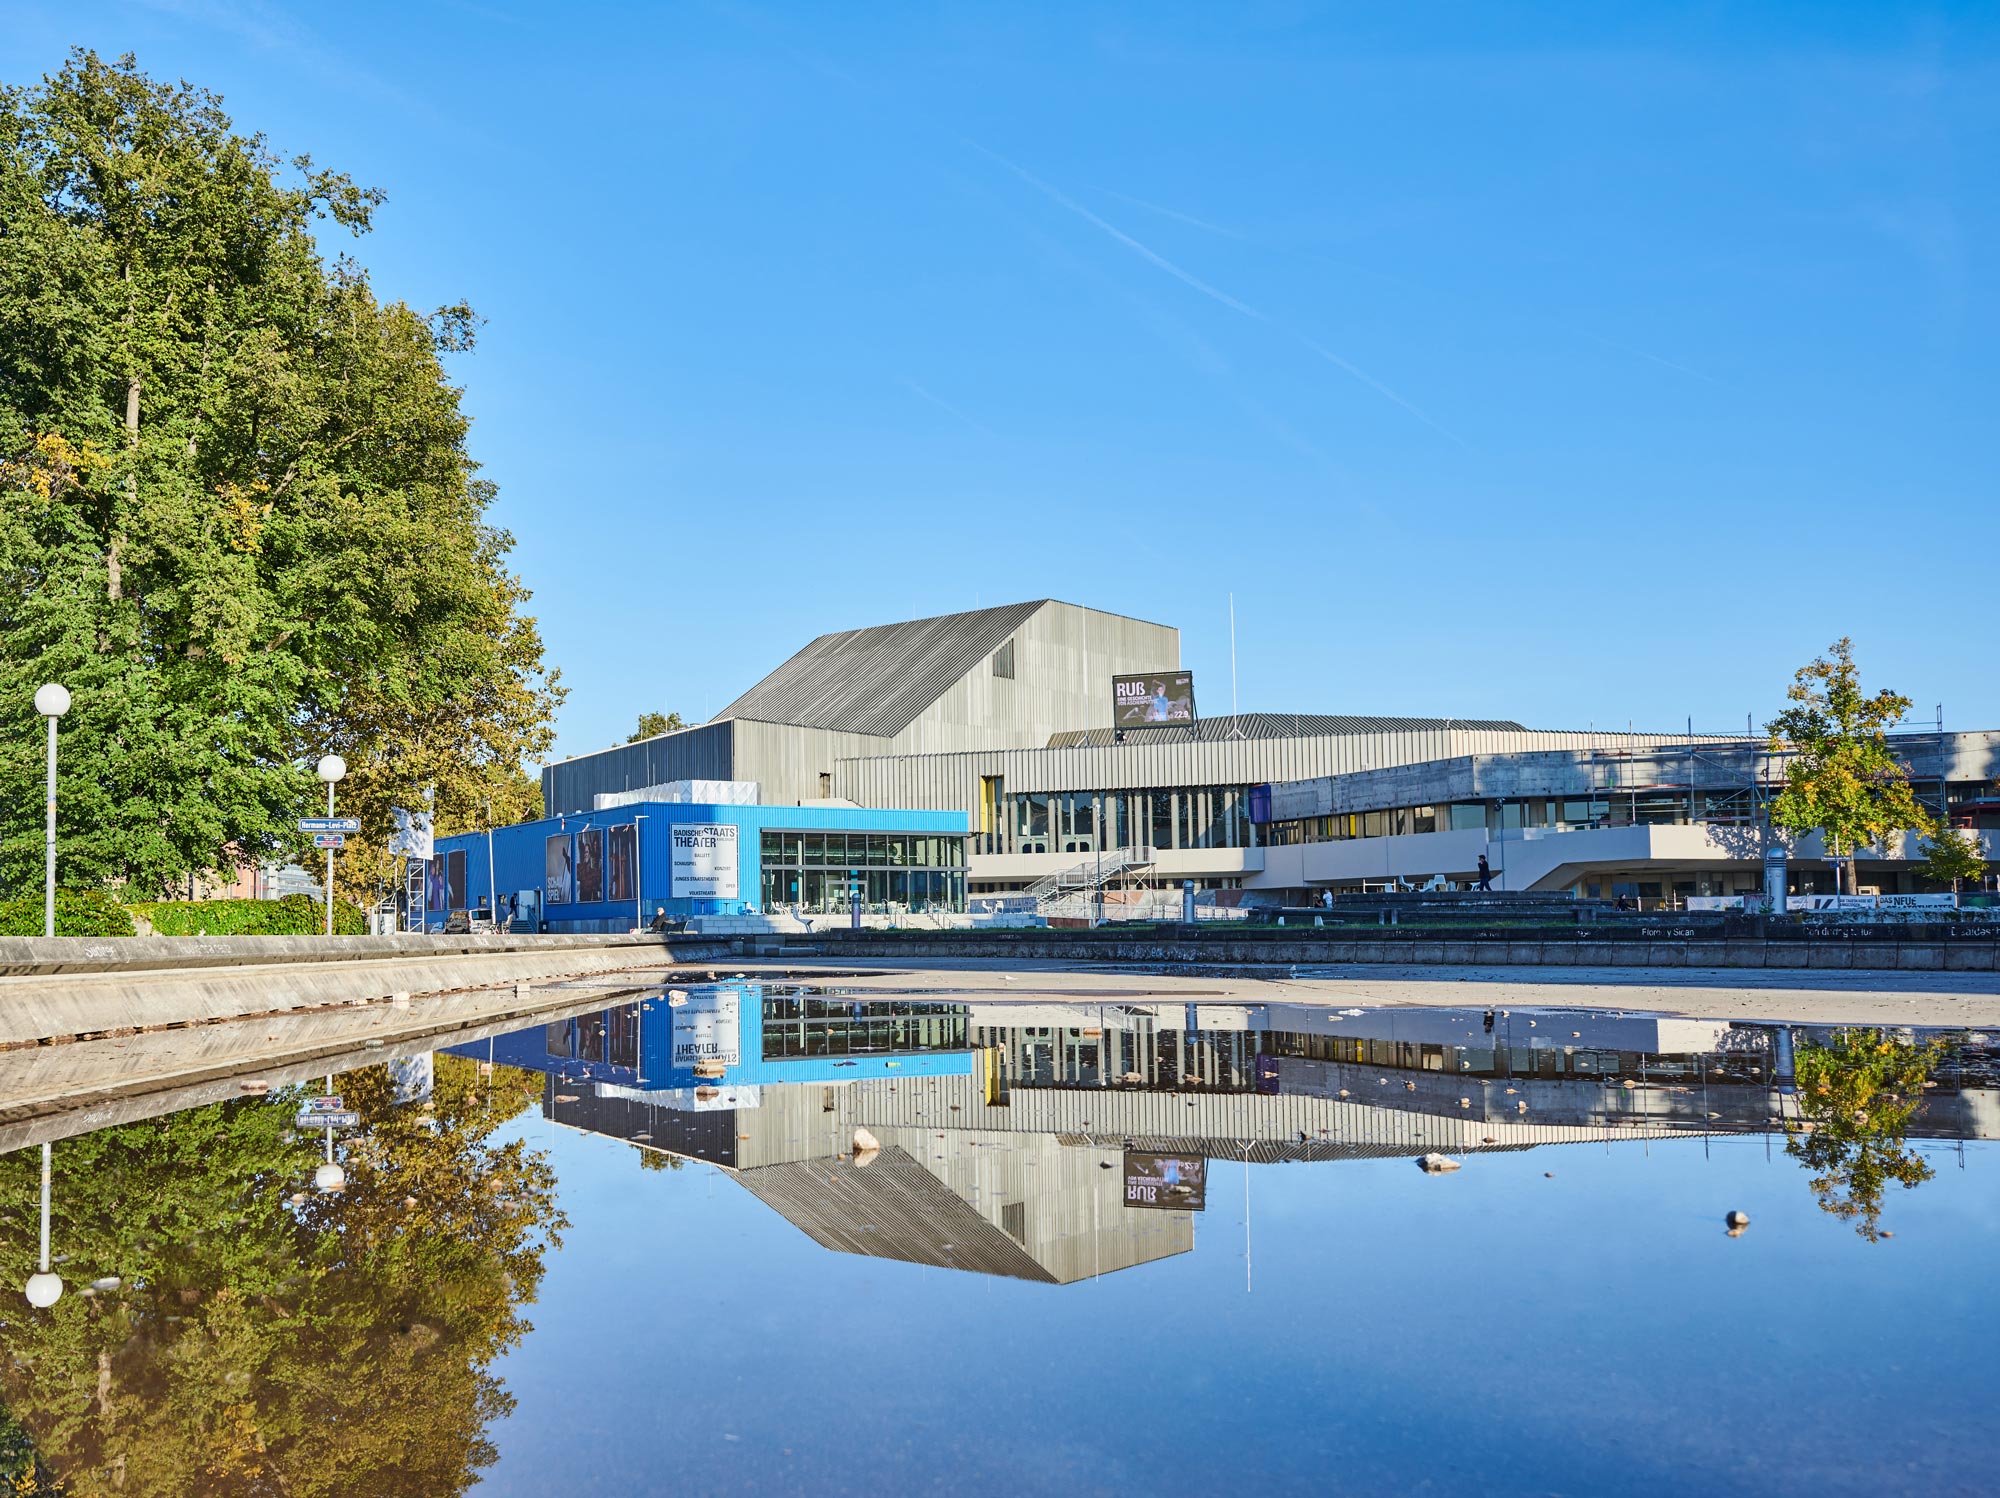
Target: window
<point>1003,662</point>
<point>1468,816</point>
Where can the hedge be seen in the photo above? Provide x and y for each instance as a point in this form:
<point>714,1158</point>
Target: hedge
<point>79,912</point>
<point>294,915</point>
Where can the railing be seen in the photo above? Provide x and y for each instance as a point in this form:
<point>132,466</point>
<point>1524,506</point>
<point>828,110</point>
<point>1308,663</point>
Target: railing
<point>1093,873</point>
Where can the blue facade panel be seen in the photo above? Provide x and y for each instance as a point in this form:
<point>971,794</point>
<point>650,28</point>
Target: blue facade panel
<point>649,1045</point>
<point>517,858</point>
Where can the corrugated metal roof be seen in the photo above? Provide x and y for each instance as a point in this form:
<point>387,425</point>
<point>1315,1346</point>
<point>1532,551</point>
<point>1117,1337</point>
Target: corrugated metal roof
<point>891,1208</point>
<point>878,680</point>
<point>1276,726</point>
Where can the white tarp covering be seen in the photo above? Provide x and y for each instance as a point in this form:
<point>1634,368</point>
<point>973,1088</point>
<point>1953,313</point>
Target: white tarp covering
<point>683,793</point>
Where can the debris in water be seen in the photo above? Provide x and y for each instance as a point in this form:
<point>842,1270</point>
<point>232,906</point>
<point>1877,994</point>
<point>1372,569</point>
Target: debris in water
<point>1738,1220</point>
<point>566,1097</point>
<point>1436,1164</point>
<point>676,997</point>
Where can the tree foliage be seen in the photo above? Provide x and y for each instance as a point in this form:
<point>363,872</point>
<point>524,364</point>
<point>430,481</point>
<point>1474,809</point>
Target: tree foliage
<point>1841,779</point>
<point>652,725</point>
<point>238,518</point>
<point>268,1339</point>
<point>1952,855</point>
<point>1856,1098</point>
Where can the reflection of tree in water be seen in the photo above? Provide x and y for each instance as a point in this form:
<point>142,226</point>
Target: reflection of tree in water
<point>268,1343</point>
<point>1856,1097</point>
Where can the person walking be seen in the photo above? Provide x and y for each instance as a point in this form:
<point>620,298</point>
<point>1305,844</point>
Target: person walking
<point>1485,873</point>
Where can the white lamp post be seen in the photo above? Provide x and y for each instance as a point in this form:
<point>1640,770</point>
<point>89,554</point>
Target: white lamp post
<point>638,885</point>
<point>331,769</point>
<point>45,1288</point>
<point>51,701</point>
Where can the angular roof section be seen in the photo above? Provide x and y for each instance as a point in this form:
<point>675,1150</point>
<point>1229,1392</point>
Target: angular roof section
<point>891,1208</point>
<point>878,680</point>
<point>1277,726</point>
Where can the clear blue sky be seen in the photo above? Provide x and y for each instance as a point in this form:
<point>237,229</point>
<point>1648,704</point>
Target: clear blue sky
<point>1566,363</point>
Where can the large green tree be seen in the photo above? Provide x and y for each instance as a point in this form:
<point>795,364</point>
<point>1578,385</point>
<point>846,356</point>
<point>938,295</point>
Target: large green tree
<point>1841,778</point>
<point>238,517</point>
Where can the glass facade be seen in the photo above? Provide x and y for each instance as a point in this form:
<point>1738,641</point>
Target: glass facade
<point>797,1025</point>
<point>820,873</point>
<point>1090,821</point>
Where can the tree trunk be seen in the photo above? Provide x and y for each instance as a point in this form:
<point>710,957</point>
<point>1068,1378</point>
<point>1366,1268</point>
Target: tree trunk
<point>114,572</point>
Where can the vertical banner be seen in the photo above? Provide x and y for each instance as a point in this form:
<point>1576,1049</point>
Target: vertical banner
<point>621,861</point>
<point>434,883</point>
<point>454,880</point>
<point>708,1029</point>
<point>704,861</point>
<point>590,866</point>
<point>557,883</point>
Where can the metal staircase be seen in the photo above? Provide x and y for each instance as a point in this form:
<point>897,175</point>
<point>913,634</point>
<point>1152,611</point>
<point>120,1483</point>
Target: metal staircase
<point>1094,873</point>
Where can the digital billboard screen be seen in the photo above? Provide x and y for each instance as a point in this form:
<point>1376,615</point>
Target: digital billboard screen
<point>1154,697</point>
<point>1166,1182</point>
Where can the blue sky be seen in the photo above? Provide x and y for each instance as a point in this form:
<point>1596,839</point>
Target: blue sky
<point>1573,364</point>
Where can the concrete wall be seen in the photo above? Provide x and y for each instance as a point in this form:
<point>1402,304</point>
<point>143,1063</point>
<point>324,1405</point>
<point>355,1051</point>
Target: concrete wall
<point>1220,946</point>
<point>70,986</point>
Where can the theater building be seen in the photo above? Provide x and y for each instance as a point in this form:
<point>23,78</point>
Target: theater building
<point>1005,723</point>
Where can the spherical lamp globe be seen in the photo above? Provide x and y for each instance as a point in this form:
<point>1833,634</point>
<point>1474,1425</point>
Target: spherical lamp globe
<point>44,1290</point>
<point>332,768</point>
<point>52,701</point>
<point>330,1177</point>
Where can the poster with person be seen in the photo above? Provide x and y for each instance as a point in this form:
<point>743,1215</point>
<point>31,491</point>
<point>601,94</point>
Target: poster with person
<point>590,866</point>
<point>1154,698</point>
<point>621,861</point>
<point>434,884</point>
<point>454,880</point>
<point>557,869</point>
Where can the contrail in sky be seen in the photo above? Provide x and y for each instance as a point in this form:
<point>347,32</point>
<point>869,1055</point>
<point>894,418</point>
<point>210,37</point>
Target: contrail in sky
<point>1056,195</point>
<point>1174,213</point>
<point>942,404</point>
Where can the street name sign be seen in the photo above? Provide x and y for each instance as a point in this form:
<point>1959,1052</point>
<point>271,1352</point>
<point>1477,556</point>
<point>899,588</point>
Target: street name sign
<point>329,824</point>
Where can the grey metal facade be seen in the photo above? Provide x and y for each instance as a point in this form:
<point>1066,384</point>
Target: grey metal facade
<point>925,687</point>
<point>1163,761</point>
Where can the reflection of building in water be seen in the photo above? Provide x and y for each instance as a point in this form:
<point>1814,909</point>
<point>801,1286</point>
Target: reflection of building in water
<point>1003,1126</point>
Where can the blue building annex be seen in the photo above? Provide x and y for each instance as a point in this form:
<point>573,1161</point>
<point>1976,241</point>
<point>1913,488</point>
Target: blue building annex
<point>619,867</point>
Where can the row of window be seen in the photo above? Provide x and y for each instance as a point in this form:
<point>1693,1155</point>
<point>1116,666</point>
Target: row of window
<point>877,891</point>
<point>1088,821</point>
<point>1642,807</point>
<point>862,850</point>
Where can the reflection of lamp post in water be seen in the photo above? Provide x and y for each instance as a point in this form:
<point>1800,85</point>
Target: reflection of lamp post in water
<point>329,1177</point>
<point>46,1287</point>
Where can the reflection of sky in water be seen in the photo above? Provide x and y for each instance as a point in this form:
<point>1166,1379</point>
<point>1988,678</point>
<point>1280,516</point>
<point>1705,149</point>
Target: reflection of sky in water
<point>1490,1331</point>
